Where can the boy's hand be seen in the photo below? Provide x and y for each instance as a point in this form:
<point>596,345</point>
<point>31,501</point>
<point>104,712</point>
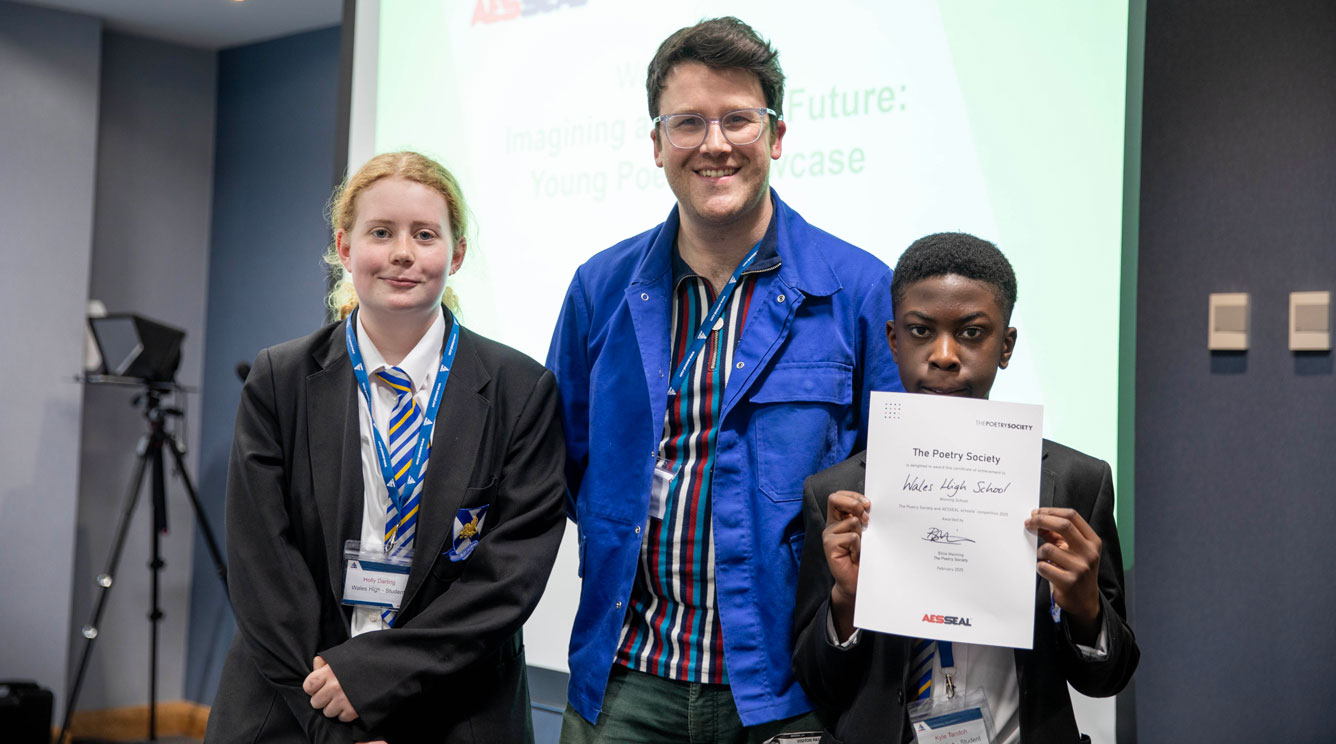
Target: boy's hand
<point>1069,559</point>
<point>842,540</point>
<point>326,693</point>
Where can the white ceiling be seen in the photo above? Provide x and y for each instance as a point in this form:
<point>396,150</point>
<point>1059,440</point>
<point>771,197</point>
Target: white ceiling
<point>209,24</point>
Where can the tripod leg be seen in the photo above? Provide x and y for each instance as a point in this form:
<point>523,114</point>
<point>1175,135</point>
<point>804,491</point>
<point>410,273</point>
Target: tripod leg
<point>159,527</point>
<point>219,564</point>
<point>104,582</point>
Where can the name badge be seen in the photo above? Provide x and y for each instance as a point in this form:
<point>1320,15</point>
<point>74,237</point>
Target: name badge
<point>965,719</point>
<point>374,579</point>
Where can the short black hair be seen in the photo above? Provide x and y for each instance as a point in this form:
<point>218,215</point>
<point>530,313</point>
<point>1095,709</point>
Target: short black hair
<point>720,43</point>
<point>945,253</point>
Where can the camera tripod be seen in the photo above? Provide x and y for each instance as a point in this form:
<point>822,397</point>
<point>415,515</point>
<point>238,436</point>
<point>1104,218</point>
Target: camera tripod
<point>150,459</point>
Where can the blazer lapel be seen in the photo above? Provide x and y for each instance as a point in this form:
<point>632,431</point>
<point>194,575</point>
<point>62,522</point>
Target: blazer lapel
<point>1047,487</point>
<point>460,422</point>
<point>334,438</point>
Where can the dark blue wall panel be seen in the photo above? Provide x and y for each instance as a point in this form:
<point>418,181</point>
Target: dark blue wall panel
<point>273,173</point>
<point>1236,454</point>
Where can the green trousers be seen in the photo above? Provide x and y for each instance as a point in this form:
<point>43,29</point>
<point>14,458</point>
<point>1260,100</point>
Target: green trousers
<point>640,708</point>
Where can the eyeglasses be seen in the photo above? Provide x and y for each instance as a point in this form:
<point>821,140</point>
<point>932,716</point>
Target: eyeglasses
<point>740,127</point>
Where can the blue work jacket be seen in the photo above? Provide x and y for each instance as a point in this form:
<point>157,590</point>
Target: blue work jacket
<point>813,348</point>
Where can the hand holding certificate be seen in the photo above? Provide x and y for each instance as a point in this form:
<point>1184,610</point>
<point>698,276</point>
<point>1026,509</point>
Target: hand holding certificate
<point>947,555</point>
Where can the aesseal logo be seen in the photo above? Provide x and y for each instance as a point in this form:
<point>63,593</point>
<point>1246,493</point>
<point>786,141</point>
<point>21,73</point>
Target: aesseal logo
<point>948,620</point>
<point>494,11</point>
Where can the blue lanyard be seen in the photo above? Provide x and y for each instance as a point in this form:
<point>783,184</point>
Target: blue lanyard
<point>428,416</point>
<point>948,661</point>
<point>706,327</point>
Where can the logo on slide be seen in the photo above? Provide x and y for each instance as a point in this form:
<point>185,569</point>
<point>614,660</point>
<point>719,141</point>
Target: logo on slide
<point>493,11</point>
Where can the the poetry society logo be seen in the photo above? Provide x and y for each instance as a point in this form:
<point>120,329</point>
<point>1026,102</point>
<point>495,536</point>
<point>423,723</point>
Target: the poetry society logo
<point>1002,425</point>
<point>891,411</point>
<point>948,620</point>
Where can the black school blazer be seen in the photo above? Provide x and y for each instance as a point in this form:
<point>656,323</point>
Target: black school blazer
<point>860,692</point>
<point>452,669</point>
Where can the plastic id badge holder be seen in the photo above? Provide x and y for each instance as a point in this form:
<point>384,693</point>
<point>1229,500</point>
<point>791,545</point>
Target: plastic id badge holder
<point>963,719</point>
<point>372,578</point>
<point>801,737</point>
<point>664,472</point>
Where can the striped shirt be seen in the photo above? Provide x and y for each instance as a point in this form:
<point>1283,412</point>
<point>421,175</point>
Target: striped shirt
<point>672,624</point>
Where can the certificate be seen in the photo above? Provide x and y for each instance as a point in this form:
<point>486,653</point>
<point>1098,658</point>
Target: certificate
<point>945,554</point>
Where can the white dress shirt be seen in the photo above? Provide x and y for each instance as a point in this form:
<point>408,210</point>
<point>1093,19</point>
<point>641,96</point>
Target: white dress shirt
<point>990,668</point>
<point>420,365</point>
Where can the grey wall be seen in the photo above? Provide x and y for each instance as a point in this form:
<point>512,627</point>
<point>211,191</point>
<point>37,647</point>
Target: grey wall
<point>277,105</point>
<point>1236,454</point>
<point>48,139</point>
<point>122,208</point>
<point>154,183</point>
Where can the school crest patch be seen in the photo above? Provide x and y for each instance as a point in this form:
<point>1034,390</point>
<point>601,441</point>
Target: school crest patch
<point>466,531</point>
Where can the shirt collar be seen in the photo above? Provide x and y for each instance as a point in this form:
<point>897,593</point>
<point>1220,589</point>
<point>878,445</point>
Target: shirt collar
<point>421,362</point>
<point>766,258</point>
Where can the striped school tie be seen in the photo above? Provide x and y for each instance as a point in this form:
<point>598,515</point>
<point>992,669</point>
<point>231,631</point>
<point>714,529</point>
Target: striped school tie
<point>920,670</point>
<point>401,439</point>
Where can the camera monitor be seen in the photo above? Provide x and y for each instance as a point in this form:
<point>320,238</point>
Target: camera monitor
<point>134,346</point>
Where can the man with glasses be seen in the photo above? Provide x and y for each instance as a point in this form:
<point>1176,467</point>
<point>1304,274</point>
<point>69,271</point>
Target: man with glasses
<point>706,368</point>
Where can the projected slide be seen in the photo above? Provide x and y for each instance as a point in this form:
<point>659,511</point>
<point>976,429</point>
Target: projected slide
<point>904,118</point>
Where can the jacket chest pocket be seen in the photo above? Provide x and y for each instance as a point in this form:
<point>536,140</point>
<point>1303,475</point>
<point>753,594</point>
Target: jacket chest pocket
<point>474,517</point>
<point>800,407</point>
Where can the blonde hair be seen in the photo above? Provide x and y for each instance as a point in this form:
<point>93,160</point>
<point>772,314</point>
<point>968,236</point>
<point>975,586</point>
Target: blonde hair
<point>342,214</point>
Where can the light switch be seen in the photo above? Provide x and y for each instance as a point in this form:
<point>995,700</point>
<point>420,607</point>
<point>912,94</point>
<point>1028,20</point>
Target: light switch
<point>1310,321</point>
<point>1228,319</point>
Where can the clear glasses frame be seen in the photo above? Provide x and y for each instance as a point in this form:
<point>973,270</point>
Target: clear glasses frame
<point>688,131</point>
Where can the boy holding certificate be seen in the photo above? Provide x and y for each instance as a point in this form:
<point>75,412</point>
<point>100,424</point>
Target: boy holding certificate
<point>952,296</point>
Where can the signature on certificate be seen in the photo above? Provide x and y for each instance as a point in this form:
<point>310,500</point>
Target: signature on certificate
<point>938,535</point>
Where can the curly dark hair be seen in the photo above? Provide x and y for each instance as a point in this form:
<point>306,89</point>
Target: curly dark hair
<point>719,43</point>
<point>945,253</point>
